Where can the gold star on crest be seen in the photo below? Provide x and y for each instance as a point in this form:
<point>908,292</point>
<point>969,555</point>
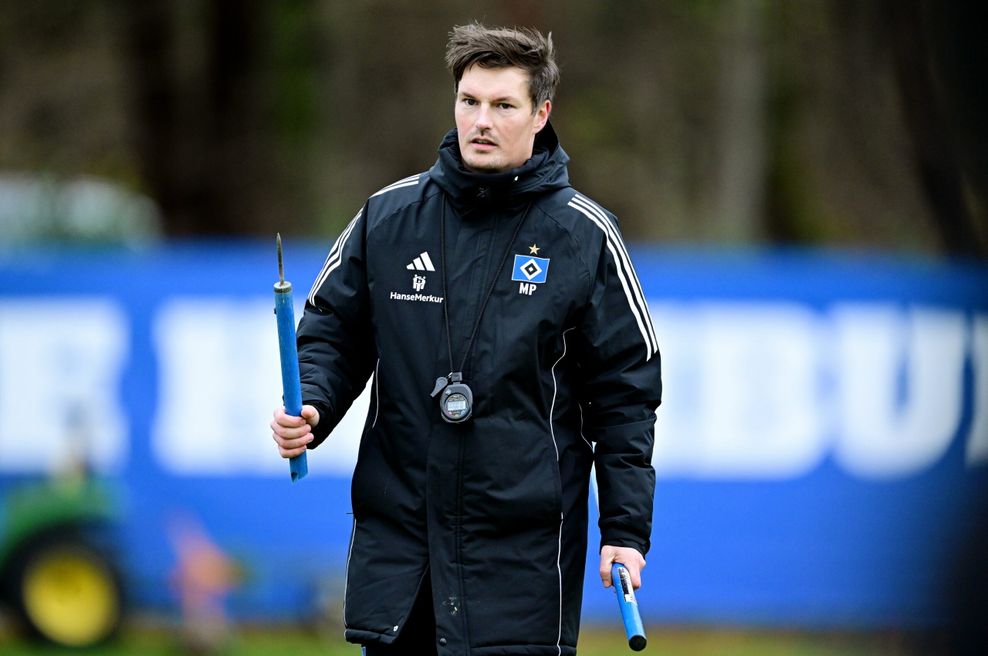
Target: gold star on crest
<point>533,249</point>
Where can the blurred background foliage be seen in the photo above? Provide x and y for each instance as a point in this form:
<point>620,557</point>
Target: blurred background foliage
<point>811,122</point>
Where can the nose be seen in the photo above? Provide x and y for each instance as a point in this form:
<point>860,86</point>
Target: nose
<point>483,118</point>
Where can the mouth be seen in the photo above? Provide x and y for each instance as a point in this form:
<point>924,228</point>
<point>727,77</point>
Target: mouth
<point>482,143</point>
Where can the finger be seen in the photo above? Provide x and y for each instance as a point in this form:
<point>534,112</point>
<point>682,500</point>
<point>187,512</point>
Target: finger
<point>636,577</point>
<point>287,420</point>
<point>291,453</point>
<point>290,432</point>
<point>291,442</point>
<point>291,448</point>
<point>605,569</point>
<point>310,414</point>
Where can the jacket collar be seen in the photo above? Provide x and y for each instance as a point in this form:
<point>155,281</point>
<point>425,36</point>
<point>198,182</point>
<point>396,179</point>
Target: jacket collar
<point>544,171</point>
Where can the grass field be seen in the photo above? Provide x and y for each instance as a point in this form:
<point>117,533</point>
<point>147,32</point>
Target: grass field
<point>593,642</point>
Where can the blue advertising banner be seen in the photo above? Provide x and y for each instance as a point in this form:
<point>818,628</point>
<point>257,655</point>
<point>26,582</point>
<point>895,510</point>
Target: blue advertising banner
<point>821,450</point>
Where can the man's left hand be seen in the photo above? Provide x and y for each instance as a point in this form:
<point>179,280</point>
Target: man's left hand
<point>628,557</point>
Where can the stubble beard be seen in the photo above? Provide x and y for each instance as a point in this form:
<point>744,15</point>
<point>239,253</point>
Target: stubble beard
<point>484,165</point>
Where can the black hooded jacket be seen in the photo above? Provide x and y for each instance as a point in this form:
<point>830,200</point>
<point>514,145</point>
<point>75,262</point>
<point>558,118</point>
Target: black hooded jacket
<point>564,370</point>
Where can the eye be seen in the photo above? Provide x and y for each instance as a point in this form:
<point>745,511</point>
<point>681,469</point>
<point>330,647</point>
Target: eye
<point>504,105</point>
<point>469,102</point>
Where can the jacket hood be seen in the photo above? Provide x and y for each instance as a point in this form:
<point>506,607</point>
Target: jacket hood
<point>544,171</point>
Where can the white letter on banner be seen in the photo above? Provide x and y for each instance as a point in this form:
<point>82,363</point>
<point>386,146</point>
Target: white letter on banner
<point>900,387</point>
<point>61,361</point>
<point>219,382</point>
<point>977,444</point>
<point>742,398</point>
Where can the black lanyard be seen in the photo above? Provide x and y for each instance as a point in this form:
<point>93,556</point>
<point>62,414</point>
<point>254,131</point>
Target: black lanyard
<point>455,376</point>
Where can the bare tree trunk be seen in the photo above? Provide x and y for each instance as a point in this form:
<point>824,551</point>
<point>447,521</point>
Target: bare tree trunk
<point>236,150</point>
<point>148,33</point>
<point>936,160</point>
<point>191,127</point>
<point>958,55</point>
<point>740,193</point>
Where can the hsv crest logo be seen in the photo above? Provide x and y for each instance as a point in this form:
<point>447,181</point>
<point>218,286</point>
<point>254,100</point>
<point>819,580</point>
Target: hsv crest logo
<point>529,272</point>
<point>418,282</point>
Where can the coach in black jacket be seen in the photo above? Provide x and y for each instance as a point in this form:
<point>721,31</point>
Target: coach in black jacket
<point>487,272</point>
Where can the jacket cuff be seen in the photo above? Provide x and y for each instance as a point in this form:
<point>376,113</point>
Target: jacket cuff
<point>321,430</point>
<point>622,539</point>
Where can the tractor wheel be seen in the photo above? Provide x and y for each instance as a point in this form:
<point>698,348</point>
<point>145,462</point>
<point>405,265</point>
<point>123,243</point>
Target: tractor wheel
<point>69,593</point>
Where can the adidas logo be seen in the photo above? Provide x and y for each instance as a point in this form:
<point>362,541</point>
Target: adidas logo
<point>422,263</point>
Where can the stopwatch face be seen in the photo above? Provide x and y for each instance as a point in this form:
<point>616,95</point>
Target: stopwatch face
<point>456,403</point>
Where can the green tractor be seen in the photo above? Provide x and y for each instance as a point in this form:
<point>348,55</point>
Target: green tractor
<point>57,570</point>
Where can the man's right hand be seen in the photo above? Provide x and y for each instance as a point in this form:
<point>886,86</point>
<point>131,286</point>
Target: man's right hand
<point>293,434</point>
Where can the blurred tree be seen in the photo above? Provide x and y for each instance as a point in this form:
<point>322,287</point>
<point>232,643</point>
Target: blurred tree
<point>200,122</point>
<point>741,124</point>
<point>736,121</point>
<point>59,79</point>
<point>937,92</point>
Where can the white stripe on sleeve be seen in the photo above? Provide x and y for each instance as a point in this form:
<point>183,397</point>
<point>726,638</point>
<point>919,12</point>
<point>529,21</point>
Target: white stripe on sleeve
<point>334,258</point>
<point>626,273</point>
<point>410,181</point>
<point>616,236</point>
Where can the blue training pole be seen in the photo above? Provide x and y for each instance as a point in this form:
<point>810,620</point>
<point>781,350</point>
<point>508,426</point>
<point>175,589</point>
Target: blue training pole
<point>633,627</point>
<point>284,310</point>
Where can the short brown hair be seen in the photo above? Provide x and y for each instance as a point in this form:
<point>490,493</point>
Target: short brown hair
<point>502,47</point>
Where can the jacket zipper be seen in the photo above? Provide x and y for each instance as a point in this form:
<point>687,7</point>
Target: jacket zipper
<point>459,538</point>
<point>459,487</point>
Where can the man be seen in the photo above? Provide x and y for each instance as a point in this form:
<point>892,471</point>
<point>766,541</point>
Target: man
<point>511,349</point>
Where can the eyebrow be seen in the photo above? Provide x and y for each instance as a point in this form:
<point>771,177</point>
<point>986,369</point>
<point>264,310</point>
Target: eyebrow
<point>498,99</point>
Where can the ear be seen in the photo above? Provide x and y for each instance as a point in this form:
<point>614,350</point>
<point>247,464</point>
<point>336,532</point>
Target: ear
<point>542,116</point>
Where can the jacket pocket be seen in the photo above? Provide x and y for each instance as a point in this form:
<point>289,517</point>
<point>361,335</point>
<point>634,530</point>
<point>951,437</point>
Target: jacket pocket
<point>511,482</point>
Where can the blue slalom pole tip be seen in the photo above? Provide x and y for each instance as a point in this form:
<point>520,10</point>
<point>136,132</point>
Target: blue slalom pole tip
<point>299,467</point>
<point>634,630</point>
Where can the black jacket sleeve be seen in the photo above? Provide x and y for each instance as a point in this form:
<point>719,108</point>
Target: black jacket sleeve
<point>335,339</point>
<point>621,388</point>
